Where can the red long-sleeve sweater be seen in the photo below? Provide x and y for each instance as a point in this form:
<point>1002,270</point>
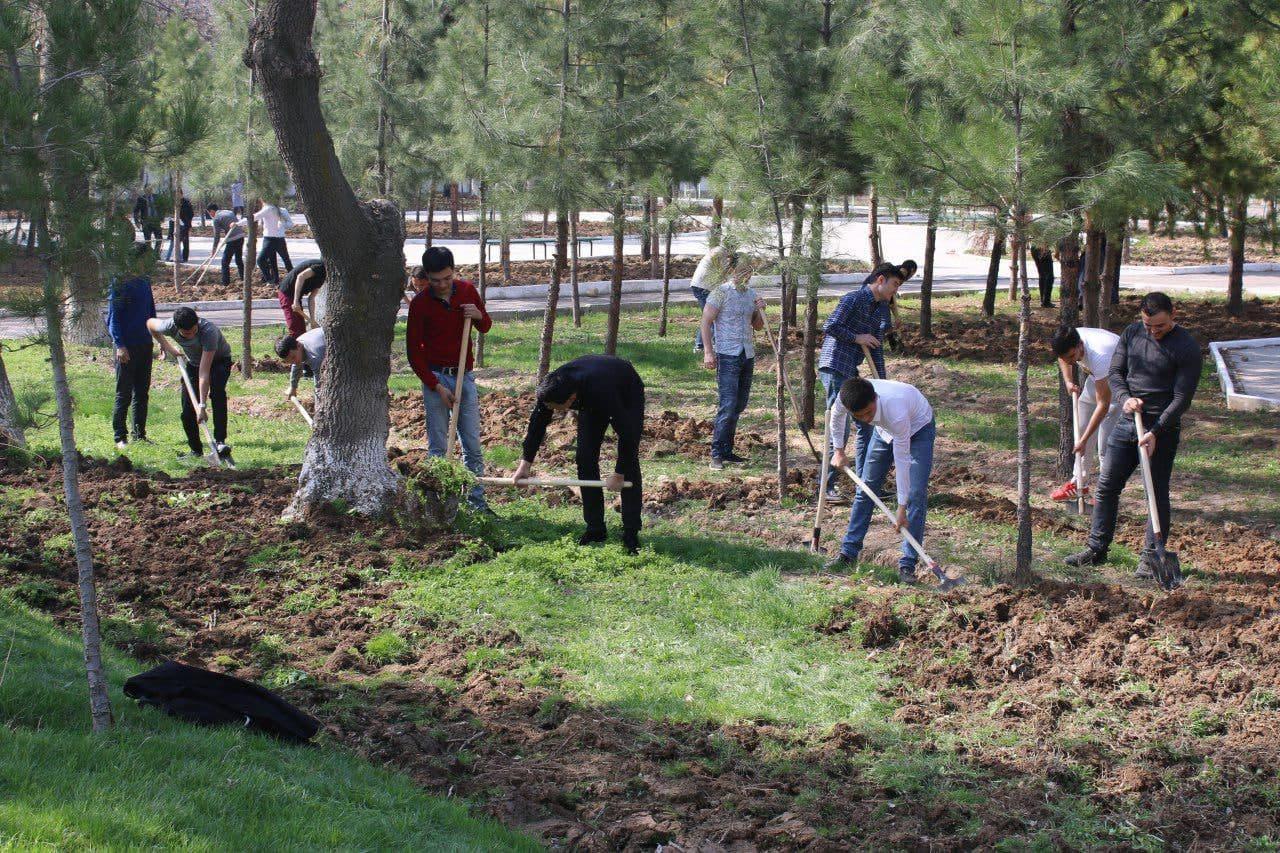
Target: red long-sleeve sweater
<point>434,334</point>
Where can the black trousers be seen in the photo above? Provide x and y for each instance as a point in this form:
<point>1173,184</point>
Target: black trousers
<point>151,231</point>
<point>591,429</point>
<point>1117,466</point>
<point>272,247</point>
<point>219,374</point>
<point>232,249</point>
<point>133,386</point>
<point>1044,268</point>
<point>184,242</point>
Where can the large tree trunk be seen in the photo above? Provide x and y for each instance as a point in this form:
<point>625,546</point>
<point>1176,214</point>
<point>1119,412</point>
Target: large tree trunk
<point>993,271</point>
<point>86,293</point>
<point>10,426</point>
<point>1171,219</point>
<point>809,368</point>
<point>926,277</point>
<point>1111,275</point>
<point>1235,278</point>
<point>1092,273</point>
<point>615,281</point>
<point>90,631</point>
<point>873,228</point>
<point>553,292</point>
<point>345,461</point>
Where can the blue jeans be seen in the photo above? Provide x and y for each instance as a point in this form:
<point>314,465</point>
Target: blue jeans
<point>832,382</point>
<point>701,295</point>
<point>879,458</point>
<point>468,429</point>
<point>733,382</point>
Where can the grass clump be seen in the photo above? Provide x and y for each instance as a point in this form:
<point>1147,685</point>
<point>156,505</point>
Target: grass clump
<point>387,648</point>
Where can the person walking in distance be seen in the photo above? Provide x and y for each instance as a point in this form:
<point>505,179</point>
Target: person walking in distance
<point>605,392</point>
<point>302,281</point>
<point>207,361</point>
<point>147,216</point>
<point>732,313</point>
<point>1154,371</point>
<point>274,222</point>
<point>186,215</point>
<point>130,305</point>
<point>433,335</point>
<point>1091,350</point>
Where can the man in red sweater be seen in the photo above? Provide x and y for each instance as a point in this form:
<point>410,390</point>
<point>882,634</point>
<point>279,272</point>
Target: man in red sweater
<point>434,340</point>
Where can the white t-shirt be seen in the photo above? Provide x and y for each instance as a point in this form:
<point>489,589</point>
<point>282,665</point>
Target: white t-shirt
<point>272,221</point>
<point>710,270</point>
<point>901,412</point>
<point>1099,346</point>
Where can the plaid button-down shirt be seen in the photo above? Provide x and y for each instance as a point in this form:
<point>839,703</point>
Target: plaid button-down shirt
<point>857,313</point>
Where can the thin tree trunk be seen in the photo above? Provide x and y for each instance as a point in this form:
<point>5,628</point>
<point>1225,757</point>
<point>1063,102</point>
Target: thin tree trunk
<point>615,281</point>
<point>1220,209</point>
<point>1235,278</point>
<point>666,275</point>
<point>246,298</point>
<point>482,274</point>
<point>10,428</point>
<point>573,269</point>
<point>1111,274</point>
<point>993,271</point>
<point>431,214</point>
<point>809,379</point>
<point>873,228</point>
<point>90,631</point>
<point>453,209</point>
<point>1022,571</point>
<point>175,181</point>
<point>417,205</point>
<point>646,228</point>
<point>654,251</point>
<point>926,276</point>
<point>553,293</point>
<point>717,222</point>
<point>1171,219</point>
<point>794,255</point>
<point>1068,315</point>
<point>345,461</point>
<point>1092,273</point>
<point>384,181</point>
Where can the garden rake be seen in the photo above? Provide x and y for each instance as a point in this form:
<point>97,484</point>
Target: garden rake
<point>1167,569</point>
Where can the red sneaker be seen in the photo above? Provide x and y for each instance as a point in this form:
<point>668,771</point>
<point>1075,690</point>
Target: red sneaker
<point>1067,491</point>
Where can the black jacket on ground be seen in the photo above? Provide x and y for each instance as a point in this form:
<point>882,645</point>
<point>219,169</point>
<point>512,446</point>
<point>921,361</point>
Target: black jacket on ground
<point>211,698</point>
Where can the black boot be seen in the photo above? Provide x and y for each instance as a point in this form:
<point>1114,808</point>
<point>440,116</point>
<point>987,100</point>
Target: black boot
<point>1087,557</point>
<point>592,537</point>
<point>631,541</point>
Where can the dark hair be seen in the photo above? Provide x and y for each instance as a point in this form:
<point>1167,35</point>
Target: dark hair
<point>238,210</point>
<point>1064,340</point>
<point>185,318</point>
<point>210,206</point>
<point>856,394</point>
<point>907,269</point>
<point>437,259</point>
<point>140,248</point>
<point>1156,302</point>
<point>418,272</point>
<point>888,271</point>
<point>285,345</point>
<point>555,387</point>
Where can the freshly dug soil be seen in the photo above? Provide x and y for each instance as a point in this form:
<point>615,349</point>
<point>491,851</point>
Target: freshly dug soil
<point>1188,250</point>
<point>996,340</point>
<point>470,230</point>
<point>1168,701</point>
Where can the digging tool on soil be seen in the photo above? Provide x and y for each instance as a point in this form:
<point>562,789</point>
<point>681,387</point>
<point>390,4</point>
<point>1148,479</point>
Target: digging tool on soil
<point>875,371</point>
<point>1079,472</point>
<point>795,406</point>
<point>547,482</point>
<point>302,410</point>
<point>823,474</point>
<point>215,459</point>
<point>944,583</point>
<point>457,387</point>
<point>200,270</point>
<point>1168,572</point>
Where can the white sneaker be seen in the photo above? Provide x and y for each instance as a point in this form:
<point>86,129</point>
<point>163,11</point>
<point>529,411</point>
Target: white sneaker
<point>122,446</point>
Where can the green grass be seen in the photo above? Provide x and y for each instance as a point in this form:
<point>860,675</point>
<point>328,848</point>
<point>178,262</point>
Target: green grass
<point>152,782</point>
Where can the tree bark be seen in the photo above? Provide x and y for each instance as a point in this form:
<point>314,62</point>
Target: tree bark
<point>809,366</point>
<point>926,276</point>
<point>453,210</point>
<point>1220,210</point>
<point>246,297</point>
<point>1111,260</point>
<point>1235,278</point>
<point>431,213</point>
<point>90,630</point>
<point>615,281</point>
<point>573,269</point>
<point>384,180</point>
<point>654,251</point>
<point>717,222</point>
<point>1171,219</point>
<point>553,292</point>
<point>646,228</point>
<point>482,277</point>
<point>11,432</point>
<point>873,228</point>
<point>794,255</point>
<point>993,271</point>
<point>345,461</point>
<point>666,277</point>
<point>1092,273</point>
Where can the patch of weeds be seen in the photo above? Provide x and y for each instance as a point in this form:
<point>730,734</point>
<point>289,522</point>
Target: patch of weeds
<point>56,546</point>
<point>197,500</point>
<point>226,661</point>
<point>1205,723</point>
<point>283,677</point>
<point>484,657</point>
<point>39,594</point>
<point>130,635</point>
<point>39,518</point>
<point>273,558</point>
<point>270,648</point>
<point>386,648</point>
<point>1262,699</point>
<point>300,602</point>
<point>677,769</point>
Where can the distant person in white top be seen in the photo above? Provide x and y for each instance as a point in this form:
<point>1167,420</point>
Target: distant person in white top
<point>274,222</point>
<point>729,320</point>
<point>1091,350</point>
<point>904,435</point>
<point>710,272</point>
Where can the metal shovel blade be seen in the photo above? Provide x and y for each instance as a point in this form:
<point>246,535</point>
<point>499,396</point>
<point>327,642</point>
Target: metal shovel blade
<point>945,583</point>
<point>1168,568</point>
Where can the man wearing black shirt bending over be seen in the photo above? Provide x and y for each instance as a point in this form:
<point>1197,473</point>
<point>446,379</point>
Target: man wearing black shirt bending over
<point>1155,370</point>
<point>604,391</point>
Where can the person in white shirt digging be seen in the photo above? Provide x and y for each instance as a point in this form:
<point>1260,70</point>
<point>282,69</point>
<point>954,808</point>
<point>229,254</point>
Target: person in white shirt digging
<point>1091,350</point>
<point>904,434</point>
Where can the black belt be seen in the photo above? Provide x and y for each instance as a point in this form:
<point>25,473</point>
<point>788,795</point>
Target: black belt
<point>447,371</point>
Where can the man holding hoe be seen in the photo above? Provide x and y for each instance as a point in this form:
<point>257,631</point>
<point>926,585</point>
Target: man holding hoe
<point>434,338</point>
<point>1154,373</point>
<point>1091,351</point>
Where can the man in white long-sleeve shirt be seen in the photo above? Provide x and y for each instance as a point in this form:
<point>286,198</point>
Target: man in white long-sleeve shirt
<point>904,435</point>
<point>274,221</point>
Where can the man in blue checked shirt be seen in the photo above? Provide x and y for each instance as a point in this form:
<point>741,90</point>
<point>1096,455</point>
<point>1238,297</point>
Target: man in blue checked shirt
<point>861,318</point>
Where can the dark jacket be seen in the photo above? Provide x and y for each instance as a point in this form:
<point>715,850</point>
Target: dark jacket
<point>1163,374</point>
<point>129,306</point>
<point>606,386</point>
<point>211,698</point>
<point>146,209</point>
<point>186,213</point>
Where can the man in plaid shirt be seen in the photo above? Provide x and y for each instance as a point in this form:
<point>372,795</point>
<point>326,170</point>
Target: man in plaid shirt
<point>861,318</point>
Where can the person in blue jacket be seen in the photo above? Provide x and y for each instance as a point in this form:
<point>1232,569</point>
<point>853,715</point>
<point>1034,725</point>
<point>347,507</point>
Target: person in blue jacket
<point>130,305</point>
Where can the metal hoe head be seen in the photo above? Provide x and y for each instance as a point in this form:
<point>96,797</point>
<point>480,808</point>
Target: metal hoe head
<point>1168,568</point>
<point>945,583</point>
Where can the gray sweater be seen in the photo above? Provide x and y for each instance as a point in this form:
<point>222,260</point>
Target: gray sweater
<point>1163,374</point>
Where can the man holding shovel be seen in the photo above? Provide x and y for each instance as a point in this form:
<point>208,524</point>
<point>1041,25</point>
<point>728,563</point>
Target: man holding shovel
<point>300,283</point>
<point>231,227</point>
<point>1153,376</point>
<point>604,391</point>
<point>857,326</point>
<point>440,319</point>
<point>902,433</point>
<point>207,364</point>
<point>1091,350</point>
